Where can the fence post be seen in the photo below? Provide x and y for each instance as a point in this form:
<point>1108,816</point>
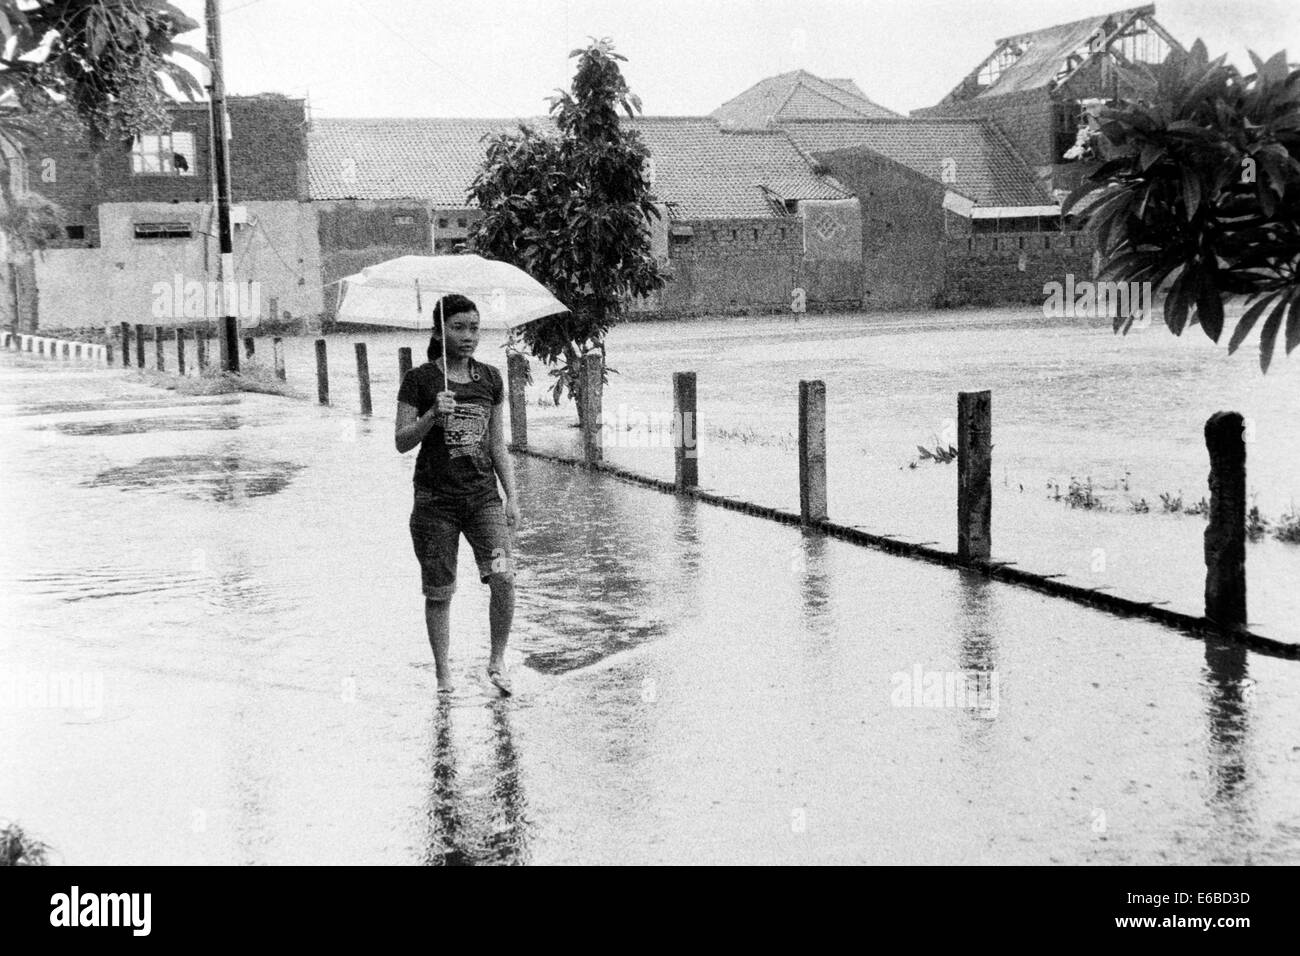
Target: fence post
<point>1225,536</point>
<point>974,475</point>
<point>322,374</point>
<point>158,338</point>
<point>363,378</point>
<point>591,371</point>
<point>812,451</point>
<point>139,345</point>
<point>277,349</point>
<point>180,351</point>
<point>403,362</point>
<point>517,375</point>
<point>686,465</point>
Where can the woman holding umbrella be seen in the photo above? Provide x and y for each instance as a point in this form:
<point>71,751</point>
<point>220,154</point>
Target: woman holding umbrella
<point>453,407</point>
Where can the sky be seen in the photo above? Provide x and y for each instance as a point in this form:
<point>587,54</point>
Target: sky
<point>502,58</point>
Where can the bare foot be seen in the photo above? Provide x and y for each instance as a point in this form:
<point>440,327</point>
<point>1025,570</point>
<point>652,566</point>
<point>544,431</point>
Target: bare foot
<point>497,675</point>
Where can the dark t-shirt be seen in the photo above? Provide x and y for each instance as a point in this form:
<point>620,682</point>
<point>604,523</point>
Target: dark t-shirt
<point>454,463</point>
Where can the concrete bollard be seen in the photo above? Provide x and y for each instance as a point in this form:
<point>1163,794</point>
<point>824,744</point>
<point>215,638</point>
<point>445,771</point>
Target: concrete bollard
<point>180,351</point>
<point>1225,535</point>
<point>139,345</point>
<point>248,347</point>
<point>686,465</point>
<point>159,335</point>
<point>403,363</point>
<point>322,374</point>
<point>591,371</point>
<point>277,350</point>
<point>812,451</point>
<point>974,475</point>
<point>517,377</point>
<point>363,379</point>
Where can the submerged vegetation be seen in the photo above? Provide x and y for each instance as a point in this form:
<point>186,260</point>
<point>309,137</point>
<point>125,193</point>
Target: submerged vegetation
<point>251,377</point>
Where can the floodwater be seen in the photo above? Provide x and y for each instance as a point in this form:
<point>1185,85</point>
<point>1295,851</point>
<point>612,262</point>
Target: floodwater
<point>214,651</point>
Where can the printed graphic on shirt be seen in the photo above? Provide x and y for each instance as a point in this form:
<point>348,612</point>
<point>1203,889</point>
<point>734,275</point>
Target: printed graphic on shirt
<point>464,430</point>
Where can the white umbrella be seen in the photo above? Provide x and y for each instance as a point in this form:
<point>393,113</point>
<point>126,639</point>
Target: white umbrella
<point>395,293</point>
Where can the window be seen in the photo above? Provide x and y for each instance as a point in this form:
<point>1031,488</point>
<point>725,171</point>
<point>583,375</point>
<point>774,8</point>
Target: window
<point>163,154</point>
<point>163,230</point>
<point>782,232</point>
<point>403,220</point>
<point>75,232</point>
<point>442,223</point>
<point>462,223</point>
<point>756,235</point>
<point>734,234</point>
<point>1020,242</point>
<point>1047,242</point>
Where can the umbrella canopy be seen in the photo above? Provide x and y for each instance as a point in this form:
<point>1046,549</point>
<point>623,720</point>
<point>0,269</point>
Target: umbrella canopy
<point>402,292</point>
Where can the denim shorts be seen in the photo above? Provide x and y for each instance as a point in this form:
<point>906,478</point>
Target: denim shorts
<point>436,527</point>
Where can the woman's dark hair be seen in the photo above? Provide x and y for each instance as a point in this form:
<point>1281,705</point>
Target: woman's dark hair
<point>451,306</point>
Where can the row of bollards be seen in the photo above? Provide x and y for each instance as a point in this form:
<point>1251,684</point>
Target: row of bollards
<point>55,348</point>
<point>1225,535</point>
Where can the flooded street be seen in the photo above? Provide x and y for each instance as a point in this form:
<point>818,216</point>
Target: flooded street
<point>227,585</point>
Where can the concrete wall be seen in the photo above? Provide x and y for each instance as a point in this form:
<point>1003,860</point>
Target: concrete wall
<point>118,281</point>
<point>831,270</point>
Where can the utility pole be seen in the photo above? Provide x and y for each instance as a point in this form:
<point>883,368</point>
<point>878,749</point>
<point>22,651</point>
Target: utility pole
<point>229,334</point>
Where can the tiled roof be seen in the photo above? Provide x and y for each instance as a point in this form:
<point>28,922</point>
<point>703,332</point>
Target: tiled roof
<point>432,160</point>
<point>710,174</point>
<point>986,168</point>
<point>702,172</point>
<point>797,95</point>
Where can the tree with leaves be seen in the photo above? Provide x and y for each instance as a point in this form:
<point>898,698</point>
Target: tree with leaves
<point>572,208</point>
<point>1199,194</point>
<point>81,66</point>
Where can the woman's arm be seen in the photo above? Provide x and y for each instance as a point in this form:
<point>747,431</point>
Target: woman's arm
<point>501,461</point>
<point>411,426</point>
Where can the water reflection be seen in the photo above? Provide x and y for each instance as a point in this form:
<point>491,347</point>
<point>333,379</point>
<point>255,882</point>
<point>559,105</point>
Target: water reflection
<point>224,477</point>
<point>592,577</point>
<point>476,810</point>
<point>1228,693</point>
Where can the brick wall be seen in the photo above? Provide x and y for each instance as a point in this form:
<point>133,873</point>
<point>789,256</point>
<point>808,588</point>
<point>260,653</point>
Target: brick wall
<point>902,228</point>
<point>268,155</point>
<point>732,265</point>
<point>358,233</point>
<point>1011,267</point>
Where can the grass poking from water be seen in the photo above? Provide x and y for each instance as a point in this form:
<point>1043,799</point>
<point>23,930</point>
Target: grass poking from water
<point>19,848</point>
<point>213,381</point>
